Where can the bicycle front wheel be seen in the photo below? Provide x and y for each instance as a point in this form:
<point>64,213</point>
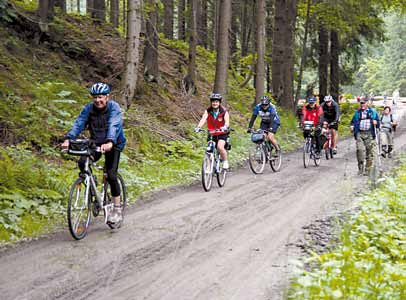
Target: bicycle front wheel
<point>257,158</point>
<point>207,171</point>
<point>306,153</point>
<point>78,210</point>
<point>221,176</point>
<point>316,158</point>
<point>123,200</point>
<point>276,159</point>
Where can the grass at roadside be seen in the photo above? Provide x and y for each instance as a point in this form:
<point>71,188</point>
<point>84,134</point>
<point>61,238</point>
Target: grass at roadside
<point>370,259</point>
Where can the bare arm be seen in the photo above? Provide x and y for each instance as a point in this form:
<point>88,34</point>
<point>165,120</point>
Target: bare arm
<point>227,119</point>
<point>203,119</point>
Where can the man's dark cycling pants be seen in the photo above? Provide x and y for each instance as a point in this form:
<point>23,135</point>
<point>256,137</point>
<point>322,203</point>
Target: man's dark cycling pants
<point>112,158</point>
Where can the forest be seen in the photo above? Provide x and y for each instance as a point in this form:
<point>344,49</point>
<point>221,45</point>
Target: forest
<point>163,58</point>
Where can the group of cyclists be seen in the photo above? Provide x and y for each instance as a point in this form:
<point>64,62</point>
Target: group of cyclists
<point>103,118</point>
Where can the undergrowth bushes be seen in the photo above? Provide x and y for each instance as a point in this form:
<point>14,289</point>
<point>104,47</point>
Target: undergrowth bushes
<point>31,190</point>
<point>370,260</point>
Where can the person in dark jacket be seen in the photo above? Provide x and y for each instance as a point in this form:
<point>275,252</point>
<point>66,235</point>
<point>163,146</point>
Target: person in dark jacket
<point>363,124</point>
<point>331,115</point>
<point>103,119</point>
<point>270,120</point>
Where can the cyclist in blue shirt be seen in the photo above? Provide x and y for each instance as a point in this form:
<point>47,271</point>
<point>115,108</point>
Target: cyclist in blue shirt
<point>103,119</point>
<point>269,120</point>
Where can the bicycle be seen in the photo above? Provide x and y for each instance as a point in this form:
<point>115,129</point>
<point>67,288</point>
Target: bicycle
<point>262,152</point>
<point>309,147</point>
<point>84,198</point>
<point>212,164</point>
<point>328,145</point>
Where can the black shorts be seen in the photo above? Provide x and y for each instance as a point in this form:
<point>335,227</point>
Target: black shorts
<point>268,127</point>
<point>333,126</point>
<point>217,138</point>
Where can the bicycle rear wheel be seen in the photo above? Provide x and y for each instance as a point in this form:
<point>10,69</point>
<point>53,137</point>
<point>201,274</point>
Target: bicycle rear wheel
<point>123,200</point>
<point>275,161</point>
<point>207,171</point>
<point>306,153</point>
<point>78,210</point>
<point>257,158</point>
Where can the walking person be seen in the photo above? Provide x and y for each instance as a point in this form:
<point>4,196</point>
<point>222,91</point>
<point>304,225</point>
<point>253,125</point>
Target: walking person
<point>388,127</point>
<point>363,125</point>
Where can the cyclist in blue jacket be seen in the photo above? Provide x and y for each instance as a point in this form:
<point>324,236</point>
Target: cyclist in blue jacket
<point>269,120</point>
<point>103,119</point>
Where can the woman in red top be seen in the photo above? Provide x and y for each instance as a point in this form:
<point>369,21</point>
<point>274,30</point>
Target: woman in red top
<point>313,112</point>
<point>217,118</point>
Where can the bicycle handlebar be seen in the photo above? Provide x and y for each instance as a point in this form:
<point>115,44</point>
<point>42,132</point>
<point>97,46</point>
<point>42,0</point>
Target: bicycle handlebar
<point>216,130</point>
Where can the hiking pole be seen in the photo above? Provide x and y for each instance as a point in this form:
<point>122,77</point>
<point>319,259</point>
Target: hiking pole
<point>378,148</point>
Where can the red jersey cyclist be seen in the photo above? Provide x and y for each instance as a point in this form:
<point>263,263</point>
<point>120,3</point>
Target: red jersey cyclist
<point>314,112</point>
<point>217,118</point>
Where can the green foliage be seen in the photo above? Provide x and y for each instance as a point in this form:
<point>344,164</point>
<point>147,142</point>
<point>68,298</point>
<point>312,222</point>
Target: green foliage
<point>370,261</point>
<point>29,186</point>
<point>384,66</point>
<point>6,14</point>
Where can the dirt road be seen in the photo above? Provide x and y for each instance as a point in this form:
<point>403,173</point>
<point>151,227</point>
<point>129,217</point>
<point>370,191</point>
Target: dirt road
<point>230,243</point>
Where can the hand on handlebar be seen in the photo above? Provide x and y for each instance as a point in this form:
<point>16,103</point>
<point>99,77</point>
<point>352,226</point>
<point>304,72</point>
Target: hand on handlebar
<point>65,145</point>
<point>106,147</point>
<point>197,129</point>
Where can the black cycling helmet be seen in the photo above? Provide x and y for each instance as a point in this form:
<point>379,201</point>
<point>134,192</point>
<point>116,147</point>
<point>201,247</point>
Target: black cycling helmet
<point>265,100</point>
<point>216,97</point>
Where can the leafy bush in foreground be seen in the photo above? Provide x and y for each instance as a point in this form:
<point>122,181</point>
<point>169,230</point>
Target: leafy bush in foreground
<point>370,262</point>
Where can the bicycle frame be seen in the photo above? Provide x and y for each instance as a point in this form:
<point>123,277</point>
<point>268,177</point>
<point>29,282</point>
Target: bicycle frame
<point>91,184</point>
<point>211,165</point>
<point>212,151</point>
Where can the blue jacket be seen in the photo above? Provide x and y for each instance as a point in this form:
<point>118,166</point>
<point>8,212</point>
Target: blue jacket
<point>104,126</point>
<point>371,115</point>
<point>269,116</point>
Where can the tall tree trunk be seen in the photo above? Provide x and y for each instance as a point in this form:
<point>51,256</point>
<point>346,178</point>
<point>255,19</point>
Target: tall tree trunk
<point>323,62</point>
<point>168,19</point>
<point>114,12</point>
<point>283,52</point>
<point>268,78</point>
<point>191,76</point>
<point>260,44</point>
<point>217,14</point>
<point>268,32</point>
<point>151,44</point>
<point>246,26</point>
<point>99,12</point>
<point>125,16</point>
<point>235,8</point>
<point>78,6</point>
<point>334,65</point>
<point>132,51</point>
<point>304,53</point>
<point>62,5</point>
<point>223,49</point>
<point>90,8</point>
<point>181,20</point>
<point>45,13</point>
<point>202,24</point>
